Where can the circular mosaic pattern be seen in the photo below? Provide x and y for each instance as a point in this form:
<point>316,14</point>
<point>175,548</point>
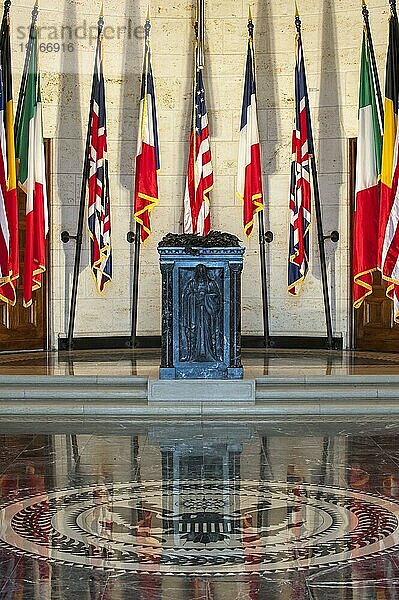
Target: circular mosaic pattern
<point>201,528</point>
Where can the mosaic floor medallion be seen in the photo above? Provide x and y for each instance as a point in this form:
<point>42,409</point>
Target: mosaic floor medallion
<point>201,528</point>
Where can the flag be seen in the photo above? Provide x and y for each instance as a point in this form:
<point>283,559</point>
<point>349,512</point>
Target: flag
<point>249,179</point>
<point>368,170</point>
<point>388,239</point>
<point>8,289</point>
<point>99,221</point>
<point>199,172</point>
<point>32,175</point>
<point>300,194</point>
<point>147,158</point>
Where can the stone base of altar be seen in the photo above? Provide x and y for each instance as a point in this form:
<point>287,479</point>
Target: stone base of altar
<point>199,372</point>
<point>236,392</point>
<point>201,311</point>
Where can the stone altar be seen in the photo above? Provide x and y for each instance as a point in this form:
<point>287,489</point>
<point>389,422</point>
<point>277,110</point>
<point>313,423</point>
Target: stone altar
<point>201,306</point>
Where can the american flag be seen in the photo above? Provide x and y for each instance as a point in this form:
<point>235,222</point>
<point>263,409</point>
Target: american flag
<point>99,202</point>
<point>147,158</point>
<point>200,172</point>
<point>300,198</point>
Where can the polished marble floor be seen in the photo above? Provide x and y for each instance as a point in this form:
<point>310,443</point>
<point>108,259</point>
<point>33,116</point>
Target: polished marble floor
<point>293,510</point>
<point>257,363</point>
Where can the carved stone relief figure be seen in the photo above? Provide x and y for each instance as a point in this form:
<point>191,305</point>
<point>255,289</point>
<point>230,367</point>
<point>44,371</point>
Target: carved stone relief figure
<point>201,318</point>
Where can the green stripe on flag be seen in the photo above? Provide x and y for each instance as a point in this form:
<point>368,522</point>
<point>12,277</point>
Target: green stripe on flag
<point>368,97</point>
<point>27,113</point>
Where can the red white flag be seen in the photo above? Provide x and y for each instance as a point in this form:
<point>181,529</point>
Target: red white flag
<point>368,170</point>
<point>200,171</point>
<point>147,158</point>
<point>6,287</point>
<point>249,178</point>
<point>32,176</point>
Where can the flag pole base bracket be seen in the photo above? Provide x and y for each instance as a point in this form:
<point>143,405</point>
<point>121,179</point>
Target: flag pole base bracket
<point>334,237</point>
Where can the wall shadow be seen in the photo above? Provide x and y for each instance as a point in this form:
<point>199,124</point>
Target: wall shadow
<point>132,65</point>
<point>186,116</point>
<point>329,145</point>
<point>69,128</point>
<point>265,58</point>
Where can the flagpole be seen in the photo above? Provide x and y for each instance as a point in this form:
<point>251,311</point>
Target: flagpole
<point>22,89</point>
<point>82,208</point>
<point>134,237</point>
<point>6,12</point>
<point>365,13</point>
<point>201,33</point>
<point>262,235</point>
<point>319,220</point>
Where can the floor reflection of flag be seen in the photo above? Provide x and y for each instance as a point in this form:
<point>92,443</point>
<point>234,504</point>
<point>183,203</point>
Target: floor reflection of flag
<point>11,566</point>
<point>250,540</point>
<point>150,585</point>
<point>201,589</point>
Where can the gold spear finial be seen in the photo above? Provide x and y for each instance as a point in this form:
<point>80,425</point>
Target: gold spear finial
<point>249,13</point>
<point>102,9</point>
<point>296,9</point>
<point>36,3</point>
<point>148,13</point>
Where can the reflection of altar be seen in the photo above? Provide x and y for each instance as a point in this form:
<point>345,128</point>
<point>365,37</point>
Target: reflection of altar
<point>201,312</point>
<point>196,515</point>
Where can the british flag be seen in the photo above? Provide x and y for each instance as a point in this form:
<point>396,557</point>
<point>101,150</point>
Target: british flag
<point>300,193</point>
<point>200,172</point>
<point>99,220</point>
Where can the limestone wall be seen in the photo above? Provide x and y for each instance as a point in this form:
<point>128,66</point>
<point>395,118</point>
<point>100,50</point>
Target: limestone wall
<point>332,37</point>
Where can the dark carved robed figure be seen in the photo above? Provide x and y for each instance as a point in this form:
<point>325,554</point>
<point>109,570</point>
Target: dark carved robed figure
<point>201,306</point>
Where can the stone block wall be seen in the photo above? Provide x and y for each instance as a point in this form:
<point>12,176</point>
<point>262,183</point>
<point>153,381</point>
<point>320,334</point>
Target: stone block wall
<point>332,32</point>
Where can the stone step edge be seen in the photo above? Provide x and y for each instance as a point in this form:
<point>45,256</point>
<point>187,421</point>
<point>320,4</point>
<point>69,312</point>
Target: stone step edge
<point>75,380</point>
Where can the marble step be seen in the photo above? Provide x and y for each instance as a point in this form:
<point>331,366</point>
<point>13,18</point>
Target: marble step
<point>343,387</point>
<point>70,395</point>
<point>86,397</point>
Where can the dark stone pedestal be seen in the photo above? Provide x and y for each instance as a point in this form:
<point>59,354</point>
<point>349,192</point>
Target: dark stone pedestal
<point>201,312</point>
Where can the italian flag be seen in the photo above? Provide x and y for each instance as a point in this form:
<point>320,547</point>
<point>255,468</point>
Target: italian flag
<point>32,177</point>
<point>368,171</point>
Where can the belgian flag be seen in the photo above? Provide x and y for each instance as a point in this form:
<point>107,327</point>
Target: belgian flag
<point>8,290</point>
<point>387,194</point>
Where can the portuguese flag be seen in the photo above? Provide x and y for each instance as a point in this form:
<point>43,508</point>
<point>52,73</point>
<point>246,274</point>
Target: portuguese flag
<point>368,169</point>
<point>32,176</point>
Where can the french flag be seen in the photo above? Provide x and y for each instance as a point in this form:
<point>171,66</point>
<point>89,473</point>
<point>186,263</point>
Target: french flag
<point>147,158</point>
<point>249,179</point>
